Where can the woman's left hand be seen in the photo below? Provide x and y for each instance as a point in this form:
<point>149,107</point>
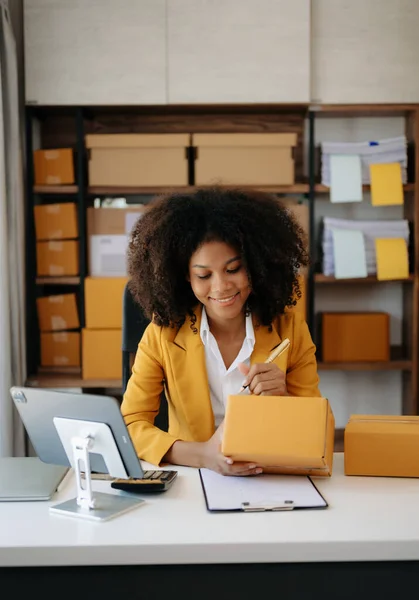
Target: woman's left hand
<point>264,379</point>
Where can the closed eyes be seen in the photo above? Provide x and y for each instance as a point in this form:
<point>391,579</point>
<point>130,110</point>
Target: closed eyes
<point>229,271</point>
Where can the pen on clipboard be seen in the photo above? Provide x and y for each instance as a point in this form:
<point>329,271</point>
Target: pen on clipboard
<point>274,354</point>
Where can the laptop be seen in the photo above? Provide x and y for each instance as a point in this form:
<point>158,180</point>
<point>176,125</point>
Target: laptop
<point>39,408</point>
<point>28,479</point>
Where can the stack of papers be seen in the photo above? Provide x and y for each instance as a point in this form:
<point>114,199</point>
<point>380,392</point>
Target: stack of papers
<point>390,150</point>
<point>349,247</point>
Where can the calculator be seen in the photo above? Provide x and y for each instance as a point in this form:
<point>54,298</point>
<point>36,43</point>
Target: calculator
<point>152,481</point>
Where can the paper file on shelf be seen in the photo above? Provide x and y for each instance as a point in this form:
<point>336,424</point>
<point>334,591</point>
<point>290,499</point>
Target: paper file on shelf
<point>386,184</point>
<point>345,178</point>
<point>389,150</point>
<point>353,264</point>
<point>392,258</point>
<point>371,230</point>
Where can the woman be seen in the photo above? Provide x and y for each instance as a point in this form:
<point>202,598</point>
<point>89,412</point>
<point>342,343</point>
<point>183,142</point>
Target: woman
<point>217,272</point>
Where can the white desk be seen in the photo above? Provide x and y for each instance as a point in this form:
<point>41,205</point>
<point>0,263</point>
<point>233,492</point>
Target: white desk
<point>369,519</point>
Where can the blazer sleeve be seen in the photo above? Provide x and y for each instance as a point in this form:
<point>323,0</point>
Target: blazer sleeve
<point>302,377</point>
<point>141,402</point>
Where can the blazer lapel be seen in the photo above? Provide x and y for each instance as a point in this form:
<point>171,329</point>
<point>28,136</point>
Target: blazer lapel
<point>265,342</point>
<point>187,357</point>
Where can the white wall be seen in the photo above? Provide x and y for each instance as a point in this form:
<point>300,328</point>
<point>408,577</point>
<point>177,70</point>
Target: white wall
<point>365,51</point>
<point>95,52</point>
<point>220,51</point>
<point>230,51</point>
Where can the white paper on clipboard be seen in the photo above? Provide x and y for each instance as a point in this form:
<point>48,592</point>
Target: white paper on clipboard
<point>259,493</point>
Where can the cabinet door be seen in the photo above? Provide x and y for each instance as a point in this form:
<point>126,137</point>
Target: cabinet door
<point>95,51</point>
<point>365,51</point>
<point>229,51</point>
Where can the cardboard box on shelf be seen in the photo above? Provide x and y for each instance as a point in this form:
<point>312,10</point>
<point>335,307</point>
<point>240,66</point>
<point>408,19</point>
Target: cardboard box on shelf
<point>113,221</point>
<point>56,221</point>
<point>355,337</point>
<point>56,258</point>
<point>131,159</point>
<point>292,435</point>
<point>101,354</point>
<point>244,158</point>
<point>108,232</point>
<point>60,349</point>
<point>54,167</point>
<point>382,446</point>
<point>58,312</point>
<point>103,297</point>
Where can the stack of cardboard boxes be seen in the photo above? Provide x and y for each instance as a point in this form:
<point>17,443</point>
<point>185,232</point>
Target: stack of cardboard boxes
<point>57,255</point>
<point>108,233</point>
<point>58,320</point>
<point>129,160</point>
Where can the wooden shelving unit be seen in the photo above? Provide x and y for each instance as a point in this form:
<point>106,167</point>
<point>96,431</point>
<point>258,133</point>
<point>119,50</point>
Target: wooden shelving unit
<point>70,380</point>
<point>55,189</point>
<point>371,279</point>
<point>66,127</point>
<point>392,365</point>
<point>405,360</point>
<point>297,188</point>
<point>58,280</point>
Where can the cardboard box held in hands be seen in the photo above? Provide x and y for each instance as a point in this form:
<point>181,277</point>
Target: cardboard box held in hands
<point>283,434</point>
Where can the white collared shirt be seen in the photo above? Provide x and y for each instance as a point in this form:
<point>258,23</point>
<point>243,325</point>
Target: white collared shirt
<point>224,382</point>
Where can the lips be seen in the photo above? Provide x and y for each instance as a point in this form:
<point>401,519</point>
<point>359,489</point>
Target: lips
<point>224,300</point>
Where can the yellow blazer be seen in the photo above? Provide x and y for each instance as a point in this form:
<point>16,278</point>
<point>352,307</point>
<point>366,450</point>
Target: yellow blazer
<point>175,359</point>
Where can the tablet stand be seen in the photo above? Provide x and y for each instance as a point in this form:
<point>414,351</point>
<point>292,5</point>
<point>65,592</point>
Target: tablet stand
<point>79,438</point>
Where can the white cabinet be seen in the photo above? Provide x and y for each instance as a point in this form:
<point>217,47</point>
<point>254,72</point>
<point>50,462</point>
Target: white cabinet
<point>95,51</point>
<point>230,51</point>
<point>365,51</point>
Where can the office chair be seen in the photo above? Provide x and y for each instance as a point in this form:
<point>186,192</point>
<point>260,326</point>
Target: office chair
<point>134,323</point>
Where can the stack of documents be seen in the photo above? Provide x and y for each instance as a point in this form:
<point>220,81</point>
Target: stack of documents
<point>390,150</point>
<point>348,245</point>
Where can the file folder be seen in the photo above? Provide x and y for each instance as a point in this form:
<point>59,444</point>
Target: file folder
<point>259,493</point>
<point>392,258</point>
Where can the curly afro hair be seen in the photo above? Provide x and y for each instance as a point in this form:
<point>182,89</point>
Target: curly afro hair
<point>271,243</point>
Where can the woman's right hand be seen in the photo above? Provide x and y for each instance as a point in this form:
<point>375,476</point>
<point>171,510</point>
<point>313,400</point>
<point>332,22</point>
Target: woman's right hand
<point>216,461</point>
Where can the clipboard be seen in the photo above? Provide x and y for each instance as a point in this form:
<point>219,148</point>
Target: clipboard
<point>260,493</point>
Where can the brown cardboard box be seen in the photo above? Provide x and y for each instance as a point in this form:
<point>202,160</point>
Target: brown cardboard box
<point>56,221</point>
<point>113,221</point>
<point>54,167</point>
<point>57,258</point>
<point>108,232</point>
<point>382,446</point>
<point>244,158</point>
<point>138,159</point>
<point>355,337</point>
<point>60,349</point>
<point>58,312</point>
<point>102,354</point>
<point>100,314</point>
<point>283,434</point>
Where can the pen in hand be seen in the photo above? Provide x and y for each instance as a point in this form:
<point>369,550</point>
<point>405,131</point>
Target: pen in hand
<point>274,354</point>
